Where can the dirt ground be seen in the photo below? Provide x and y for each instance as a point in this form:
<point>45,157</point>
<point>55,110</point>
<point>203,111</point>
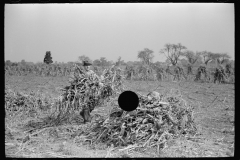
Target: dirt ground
<point>214,113</point>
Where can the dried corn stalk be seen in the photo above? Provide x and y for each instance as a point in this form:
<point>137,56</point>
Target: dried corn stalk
<point>153,123</point>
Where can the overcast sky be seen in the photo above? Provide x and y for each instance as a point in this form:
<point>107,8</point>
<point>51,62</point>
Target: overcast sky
<point>113,30</point>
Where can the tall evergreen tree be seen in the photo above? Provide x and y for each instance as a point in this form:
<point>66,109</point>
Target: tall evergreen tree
<point>48,58</point>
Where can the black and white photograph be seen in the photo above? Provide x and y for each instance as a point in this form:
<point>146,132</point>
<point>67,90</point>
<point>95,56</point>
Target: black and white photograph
<point>119,80</point>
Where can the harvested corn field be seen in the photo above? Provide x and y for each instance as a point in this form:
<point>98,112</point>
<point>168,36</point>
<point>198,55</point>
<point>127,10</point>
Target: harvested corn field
<point>186,120</point>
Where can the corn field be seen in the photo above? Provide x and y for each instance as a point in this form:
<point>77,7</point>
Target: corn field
<point>43,70</point>
<point>159,119</point>
<point>156,121</point>
<point>139,73</point>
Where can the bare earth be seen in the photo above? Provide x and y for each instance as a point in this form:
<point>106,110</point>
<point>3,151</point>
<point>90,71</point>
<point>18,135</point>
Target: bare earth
<point>214,112</point>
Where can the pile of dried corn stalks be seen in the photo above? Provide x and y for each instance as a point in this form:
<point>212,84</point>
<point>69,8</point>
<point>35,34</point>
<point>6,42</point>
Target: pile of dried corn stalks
<point>83,91</point>
<point>153,123</point>
<point>16,102</point>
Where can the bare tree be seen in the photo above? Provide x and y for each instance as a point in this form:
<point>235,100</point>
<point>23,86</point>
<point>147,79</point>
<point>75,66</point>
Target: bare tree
<point>223,58</point>
<point>83,58</point>
<point>192,59</point>
<point>104,62</point>
<point>97,62</point>
<point>119,61</point>
<point>146,56</point>
<point>191,56</point>
<point>173,52</point>
<point>207,56</point>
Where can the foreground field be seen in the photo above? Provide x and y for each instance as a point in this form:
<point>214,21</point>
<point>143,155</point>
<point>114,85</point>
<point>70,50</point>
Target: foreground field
<point>213,111</point>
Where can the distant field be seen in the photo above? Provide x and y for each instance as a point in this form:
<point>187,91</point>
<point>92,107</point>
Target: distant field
<point>214,109</point>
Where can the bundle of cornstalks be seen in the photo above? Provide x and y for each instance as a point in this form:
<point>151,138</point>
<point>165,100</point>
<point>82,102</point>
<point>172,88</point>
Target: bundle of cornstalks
<point>220,75</point>
<point>83,91</point>
<point>202,71</point>
<point>16,102</point>
<point>114,78</point>
<point>153,123</point>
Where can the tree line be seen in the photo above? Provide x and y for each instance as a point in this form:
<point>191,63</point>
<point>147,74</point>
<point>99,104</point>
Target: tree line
<point>177,56</point>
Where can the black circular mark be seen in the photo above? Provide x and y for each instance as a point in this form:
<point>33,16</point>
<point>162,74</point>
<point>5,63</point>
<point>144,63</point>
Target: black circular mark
<point>128,101</point>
